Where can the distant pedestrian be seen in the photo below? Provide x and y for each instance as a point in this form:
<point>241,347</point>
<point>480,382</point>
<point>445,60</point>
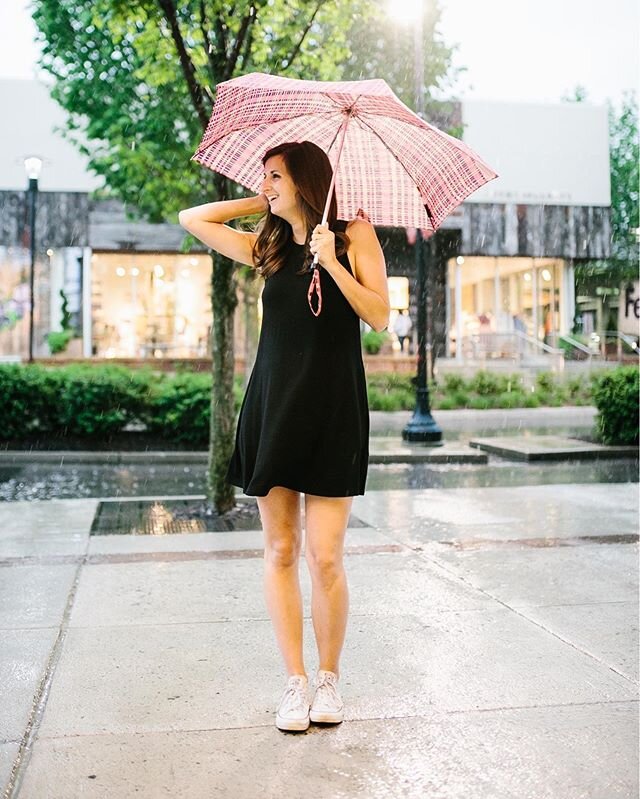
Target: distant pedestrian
<point>401,327</point>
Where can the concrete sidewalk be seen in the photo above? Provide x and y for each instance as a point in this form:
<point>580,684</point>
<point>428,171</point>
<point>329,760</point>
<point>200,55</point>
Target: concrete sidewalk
<point>491,652</point>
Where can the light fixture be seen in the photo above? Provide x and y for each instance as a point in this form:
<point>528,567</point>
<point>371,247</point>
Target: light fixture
<point>121,271</point>
<point>33,165</point>
<point>460,260</point>
<point>546,274</point>
<point>193,261</point>
<point>135,271</point>
<point>527,276</point>
<point>158,270</point>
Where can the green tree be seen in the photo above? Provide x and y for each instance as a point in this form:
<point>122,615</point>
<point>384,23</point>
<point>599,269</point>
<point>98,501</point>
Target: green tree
<point>382,46</point>
<point>624,159</point>
<point>137,81</point>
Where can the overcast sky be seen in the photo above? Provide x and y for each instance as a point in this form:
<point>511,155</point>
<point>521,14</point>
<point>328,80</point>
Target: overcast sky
<point>518,50</point>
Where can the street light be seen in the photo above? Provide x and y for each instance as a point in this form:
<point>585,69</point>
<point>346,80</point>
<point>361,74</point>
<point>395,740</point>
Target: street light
<point>422,426</point>
<point>32,165</point>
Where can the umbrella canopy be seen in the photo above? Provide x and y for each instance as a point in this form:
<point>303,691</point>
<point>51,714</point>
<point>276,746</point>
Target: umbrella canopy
<point>390,166</point>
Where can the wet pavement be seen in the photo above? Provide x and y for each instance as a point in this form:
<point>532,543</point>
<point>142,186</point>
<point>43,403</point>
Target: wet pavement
<point>45,481</point>
<point>491,652</point>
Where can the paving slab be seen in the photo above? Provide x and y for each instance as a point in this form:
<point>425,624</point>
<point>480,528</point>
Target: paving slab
<point>550,448</point>
<point>521,753</point>
<point>55,516</point>
<point>219,590</point>
<point>38,543</point>
<point>34,596</point>
<point>496,513</point>
<point>607,630</point>
<point>23,657</point>
<point>8,752</point>
<point>395,450</point>
<point>591,573</point>
<point>186,676</point>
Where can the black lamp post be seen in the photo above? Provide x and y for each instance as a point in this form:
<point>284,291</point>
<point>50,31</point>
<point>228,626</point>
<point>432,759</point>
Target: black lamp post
<point>32,165</point>
<point>422,426</point>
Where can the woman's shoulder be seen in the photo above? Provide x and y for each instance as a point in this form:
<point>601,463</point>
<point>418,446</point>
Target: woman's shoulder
<point>361,233</point>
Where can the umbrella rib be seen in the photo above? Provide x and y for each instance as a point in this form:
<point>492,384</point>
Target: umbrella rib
<point>249,125</point>
<point>375,133</point>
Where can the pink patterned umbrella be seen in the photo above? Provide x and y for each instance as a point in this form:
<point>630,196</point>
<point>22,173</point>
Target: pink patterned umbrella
<point>392,167</point>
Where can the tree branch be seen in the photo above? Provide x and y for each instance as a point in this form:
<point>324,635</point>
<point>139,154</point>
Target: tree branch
<point>232,59</point>
<point>205,38</point>
<point>296,49</point>
<point>195,90</point>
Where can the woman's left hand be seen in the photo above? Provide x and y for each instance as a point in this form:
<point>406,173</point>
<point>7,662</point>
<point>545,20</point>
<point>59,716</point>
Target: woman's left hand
<point>323,242</point>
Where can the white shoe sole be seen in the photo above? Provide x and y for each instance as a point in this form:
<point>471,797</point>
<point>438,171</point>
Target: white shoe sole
<point>326,717</point>
<point>292,725</point>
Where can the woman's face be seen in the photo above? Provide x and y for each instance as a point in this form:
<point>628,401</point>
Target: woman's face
<point>279,189</point>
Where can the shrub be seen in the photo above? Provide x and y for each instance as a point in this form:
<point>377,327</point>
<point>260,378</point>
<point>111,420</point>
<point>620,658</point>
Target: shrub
<point>481,403</point>
<point>616,397</point>
<point>486,383</point>
<point>58,340</point>
<point>179,408</point>
<point>372,341</point>
<point>102,401</point>
<point>454,383</point>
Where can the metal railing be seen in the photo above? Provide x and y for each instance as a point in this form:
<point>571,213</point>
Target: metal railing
<point>575,350</point>
<point>515,345</point>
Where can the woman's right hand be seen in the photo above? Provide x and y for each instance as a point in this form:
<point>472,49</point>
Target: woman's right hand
<point>265,202</point>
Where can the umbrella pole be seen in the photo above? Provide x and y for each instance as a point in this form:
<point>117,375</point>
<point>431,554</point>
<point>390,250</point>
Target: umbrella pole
<point>325,215</point>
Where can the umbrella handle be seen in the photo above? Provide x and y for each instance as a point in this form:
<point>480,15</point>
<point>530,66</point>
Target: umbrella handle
<point>315,284</point>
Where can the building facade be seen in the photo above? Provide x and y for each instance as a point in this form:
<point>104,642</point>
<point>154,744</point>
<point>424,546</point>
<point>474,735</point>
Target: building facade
<point>502,263</point>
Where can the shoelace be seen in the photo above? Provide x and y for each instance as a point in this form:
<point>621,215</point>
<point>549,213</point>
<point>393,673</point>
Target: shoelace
<point>327,682</point>
<point>295,696</point>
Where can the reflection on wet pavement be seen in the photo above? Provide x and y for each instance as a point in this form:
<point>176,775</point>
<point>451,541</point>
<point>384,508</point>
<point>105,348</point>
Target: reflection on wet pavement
<point>75,481</point>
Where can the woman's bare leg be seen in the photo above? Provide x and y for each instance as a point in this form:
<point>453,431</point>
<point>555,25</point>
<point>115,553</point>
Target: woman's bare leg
<point>326,520</point>
<point>282,528</point>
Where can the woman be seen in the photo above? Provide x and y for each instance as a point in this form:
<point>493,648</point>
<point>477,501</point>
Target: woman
<point>303,426</point>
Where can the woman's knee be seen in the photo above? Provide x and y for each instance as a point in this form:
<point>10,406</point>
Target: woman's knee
<point>324,566</point>
<point>282,552</point>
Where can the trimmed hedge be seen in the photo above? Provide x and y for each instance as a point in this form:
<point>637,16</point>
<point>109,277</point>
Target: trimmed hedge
<point>99,401</point>
<point>616,398</point>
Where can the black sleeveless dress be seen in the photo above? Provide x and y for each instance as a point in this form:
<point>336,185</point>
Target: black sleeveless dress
<point>304,419</point>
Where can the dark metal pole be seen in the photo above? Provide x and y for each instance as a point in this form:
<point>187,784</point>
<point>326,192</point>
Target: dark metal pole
<point>33,191</point>
<point>422,426</point>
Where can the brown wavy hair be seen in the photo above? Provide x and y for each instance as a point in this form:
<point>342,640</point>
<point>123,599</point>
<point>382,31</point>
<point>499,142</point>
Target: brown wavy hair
<point>311,172</point>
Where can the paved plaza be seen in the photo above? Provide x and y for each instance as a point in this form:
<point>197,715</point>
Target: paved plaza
<point>491,652</point>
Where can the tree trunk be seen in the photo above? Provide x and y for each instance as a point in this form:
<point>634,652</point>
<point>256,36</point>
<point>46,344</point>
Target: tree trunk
<point>220,493</point>
<point>251,287</point>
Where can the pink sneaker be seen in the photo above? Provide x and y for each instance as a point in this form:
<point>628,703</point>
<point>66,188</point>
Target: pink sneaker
<point>327,705</point>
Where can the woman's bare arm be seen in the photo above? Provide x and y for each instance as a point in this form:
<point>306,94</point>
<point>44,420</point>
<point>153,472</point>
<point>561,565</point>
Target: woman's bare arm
<point>368,291</point>
<point>206,223</point>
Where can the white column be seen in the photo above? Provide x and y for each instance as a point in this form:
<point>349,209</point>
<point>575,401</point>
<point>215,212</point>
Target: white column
<point>570,295</point>
<point>86,303</point>
<point>497,303</point>
<point>447,314</point>
<point>458,313</point>
<point>534,298</point>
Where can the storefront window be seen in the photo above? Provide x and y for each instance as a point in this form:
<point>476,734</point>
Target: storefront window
<point>150,306</point>
<point>507,295</point>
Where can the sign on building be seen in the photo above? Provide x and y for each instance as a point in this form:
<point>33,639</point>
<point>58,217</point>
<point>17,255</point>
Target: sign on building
<point>629,310</point>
